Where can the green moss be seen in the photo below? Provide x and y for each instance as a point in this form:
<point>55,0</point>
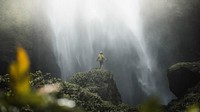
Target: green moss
<point>193,66</point>
<point>89,101</point>
<point>99,81</point>
<point>84,98</point>
<point>184,103</point>
<point>32,102</point>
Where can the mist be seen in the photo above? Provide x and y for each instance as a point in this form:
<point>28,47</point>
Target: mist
<point>137,37</point>
<point>83,28</point>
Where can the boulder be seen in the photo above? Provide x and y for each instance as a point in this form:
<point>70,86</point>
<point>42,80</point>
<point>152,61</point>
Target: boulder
<point>183,76</point>
<point>98,81</point>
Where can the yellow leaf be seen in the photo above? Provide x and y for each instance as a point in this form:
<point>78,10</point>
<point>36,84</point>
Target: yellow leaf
<point>19,73</point>
<point>23,87</point>
<point>23,61</point>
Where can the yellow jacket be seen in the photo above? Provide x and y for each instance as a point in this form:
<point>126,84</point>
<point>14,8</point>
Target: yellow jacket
<point>100,57</point>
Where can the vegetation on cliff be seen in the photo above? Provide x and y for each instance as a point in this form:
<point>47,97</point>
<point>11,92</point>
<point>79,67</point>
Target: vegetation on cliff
<point>98,81</point>
<point>94,90</point>
<point>41,92</point>
<point>88,101</point>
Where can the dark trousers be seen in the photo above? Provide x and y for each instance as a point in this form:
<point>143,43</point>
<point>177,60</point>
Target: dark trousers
<point>101,64</point>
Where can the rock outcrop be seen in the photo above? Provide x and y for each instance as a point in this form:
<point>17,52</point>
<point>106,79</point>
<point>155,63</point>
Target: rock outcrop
<point>93,91</point>
<point>98,81</point>
<point>86,89</point>
<point>183,76</point>
<point>184,81</point>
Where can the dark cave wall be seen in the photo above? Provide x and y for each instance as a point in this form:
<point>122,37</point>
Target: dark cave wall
<point>175,26</point>
<point>19,26</point>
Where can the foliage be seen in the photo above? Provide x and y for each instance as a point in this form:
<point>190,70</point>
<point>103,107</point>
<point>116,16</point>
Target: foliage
<point>193,66</point>
<point>84,89</point>
<point>193,108</point>
<point>98,81</point>
<point>22,97</point>
<point>29,92</point>
<point>185,103</point>
<point>19,79</point>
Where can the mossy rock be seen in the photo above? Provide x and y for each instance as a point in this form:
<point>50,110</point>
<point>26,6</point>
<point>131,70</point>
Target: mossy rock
<point>84,98</point>
<point>184,81</point>
<point>89,101</point>
<point>99,81</point>
<point>184,103</point>
<point>183,76</point>
<point>193,66</point>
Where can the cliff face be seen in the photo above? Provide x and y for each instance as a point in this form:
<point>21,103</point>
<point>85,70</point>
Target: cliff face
<point>98,81</point>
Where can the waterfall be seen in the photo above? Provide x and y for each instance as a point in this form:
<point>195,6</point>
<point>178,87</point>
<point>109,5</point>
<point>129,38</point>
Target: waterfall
<point>82,28</point>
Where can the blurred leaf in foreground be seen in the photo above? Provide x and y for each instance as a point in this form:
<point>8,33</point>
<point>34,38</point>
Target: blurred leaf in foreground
<point>19,81</point>
<point>19,73</point>
<point>193,108</point>
<point>23,95</point>
<point>151,105</point>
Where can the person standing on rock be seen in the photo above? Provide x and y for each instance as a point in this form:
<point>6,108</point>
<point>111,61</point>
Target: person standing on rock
<point>101,58</point>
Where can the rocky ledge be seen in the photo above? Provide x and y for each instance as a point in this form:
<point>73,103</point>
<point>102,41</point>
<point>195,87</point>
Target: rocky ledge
<point>98,81</point>
<point>93,91</point>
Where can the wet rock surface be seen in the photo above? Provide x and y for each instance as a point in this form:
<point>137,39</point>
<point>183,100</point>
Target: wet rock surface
<point>98,81</point>
<point>185,84</point>
<point>183,76</point>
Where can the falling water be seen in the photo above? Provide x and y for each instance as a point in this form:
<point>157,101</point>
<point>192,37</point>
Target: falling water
<point>82,28</point>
